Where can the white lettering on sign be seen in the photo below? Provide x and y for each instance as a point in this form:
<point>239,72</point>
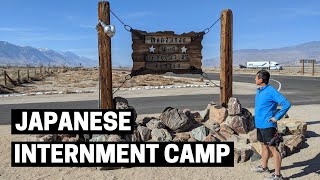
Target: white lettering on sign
<point>167,40</point>
<point>167,57</point>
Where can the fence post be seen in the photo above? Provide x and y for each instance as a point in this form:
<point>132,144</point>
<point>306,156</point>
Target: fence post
<point>28,75</point>
<point>18,75</point>
<point>5,77</point>
<point>40,71</point>
<point>313,67</point>
<point>35,71</point>
<point>302,67</point>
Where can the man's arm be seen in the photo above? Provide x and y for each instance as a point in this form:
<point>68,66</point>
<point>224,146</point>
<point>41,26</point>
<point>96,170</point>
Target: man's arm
<point>285,105</point>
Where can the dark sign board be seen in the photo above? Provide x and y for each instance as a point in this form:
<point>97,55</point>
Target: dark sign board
<point>162,52</point>
<point>308,61</point>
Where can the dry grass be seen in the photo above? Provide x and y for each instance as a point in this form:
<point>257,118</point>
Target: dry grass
<point>287,70</point>
<point>72,79</point>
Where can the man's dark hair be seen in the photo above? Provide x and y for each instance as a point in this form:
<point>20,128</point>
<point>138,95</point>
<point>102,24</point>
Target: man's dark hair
<point>264,75</point>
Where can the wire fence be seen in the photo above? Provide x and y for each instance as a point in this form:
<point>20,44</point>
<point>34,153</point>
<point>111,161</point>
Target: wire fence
<point>14,75</point>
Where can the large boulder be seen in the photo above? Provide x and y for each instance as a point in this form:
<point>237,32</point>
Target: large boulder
<point>175,119</point>
<point>297,127</point>
<point>210,138</point>
<point>199,133</point>
<point>181,137</point>
<point>205,113</point>
<point>291,144</point>
<point>120,103</point>
<point>242,154</point>
<point>238,124</point>
<point>292,127</point>
<point>234,107</point>
<point>161,135</point>
<point>253,136</point>
<point>145,133</point>
<point>155,124</point>
<point>249,119</point>
<point>218,114</point>
<point>225,131</point>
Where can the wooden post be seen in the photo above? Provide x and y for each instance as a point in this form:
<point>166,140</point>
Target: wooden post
<point>226,57</point>
<point>5,77</point>
<point>313,67</point>
<point>40,71</point>
<point>18,75</point>
<point>28,75</point>
<point>105,70</point>
<point>35,71</point>
<point>302,67</point>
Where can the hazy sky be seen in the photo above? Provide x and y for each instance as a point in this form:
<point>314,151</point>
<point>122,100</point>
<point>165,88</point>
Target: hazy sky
<point>69,25</point>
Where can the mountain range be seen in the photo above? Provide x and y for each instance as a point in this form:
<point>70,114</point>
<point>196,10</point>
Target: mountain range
<point>18,55</point>
<point>11,54</point>
<point>284,56</point>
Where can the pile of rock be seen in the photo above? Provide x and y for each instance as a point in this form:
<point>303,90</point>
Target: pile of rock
<point>214,124</point>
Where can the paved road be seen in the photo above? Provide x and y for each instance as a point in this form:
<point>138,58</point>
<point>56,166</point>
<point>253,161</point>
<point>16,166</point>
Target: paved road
<point>299,90</point>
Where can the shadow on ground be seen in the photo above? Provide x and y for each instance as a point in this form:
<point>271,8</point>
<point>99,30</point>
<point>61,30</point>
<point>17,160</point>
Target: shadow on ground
<point>311,166</point>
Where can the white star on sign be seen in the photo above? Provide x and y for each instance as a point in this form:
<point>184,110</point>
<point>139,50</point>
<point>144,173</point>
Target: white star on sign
<point>184,49</point>
<point>152,49</point>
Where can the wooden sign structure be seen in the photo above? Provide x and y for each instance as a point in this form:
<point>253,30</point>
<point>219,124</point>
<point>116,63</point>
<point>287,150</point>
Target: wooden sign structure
<point>161,52</point>
<point>310,61</point>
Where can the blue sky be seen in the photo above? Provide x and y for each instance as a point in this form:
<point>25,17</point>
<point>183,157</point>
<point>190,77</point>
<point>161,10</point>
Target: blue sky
<point>69,25</point>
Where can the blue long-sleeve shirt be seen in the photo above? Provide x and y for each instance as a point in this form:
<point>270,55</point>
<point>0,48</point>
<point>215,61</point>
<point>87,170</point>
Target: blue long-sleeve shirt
<point>266,103</point>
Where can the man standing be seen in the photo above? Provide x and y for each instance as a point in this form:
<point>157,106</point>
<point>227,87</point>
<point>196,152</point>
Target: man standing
<point>266,102</point>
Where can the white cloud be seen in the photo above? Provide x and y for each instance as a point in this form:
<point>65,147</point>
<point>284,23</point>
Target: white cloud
<point>14,29</point>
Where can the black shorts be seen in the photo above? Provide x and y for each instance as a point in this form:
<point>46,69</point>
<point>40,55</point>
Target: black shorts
<point>265,135</point>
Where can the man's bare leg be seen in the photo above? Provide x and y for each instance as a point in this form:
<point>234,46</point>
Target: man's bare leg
<point>264,155</point>
<point>277,159</point>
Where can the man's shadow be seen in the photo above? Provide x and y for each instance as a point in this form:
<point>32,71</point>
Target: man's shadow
<point>312,165</point>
